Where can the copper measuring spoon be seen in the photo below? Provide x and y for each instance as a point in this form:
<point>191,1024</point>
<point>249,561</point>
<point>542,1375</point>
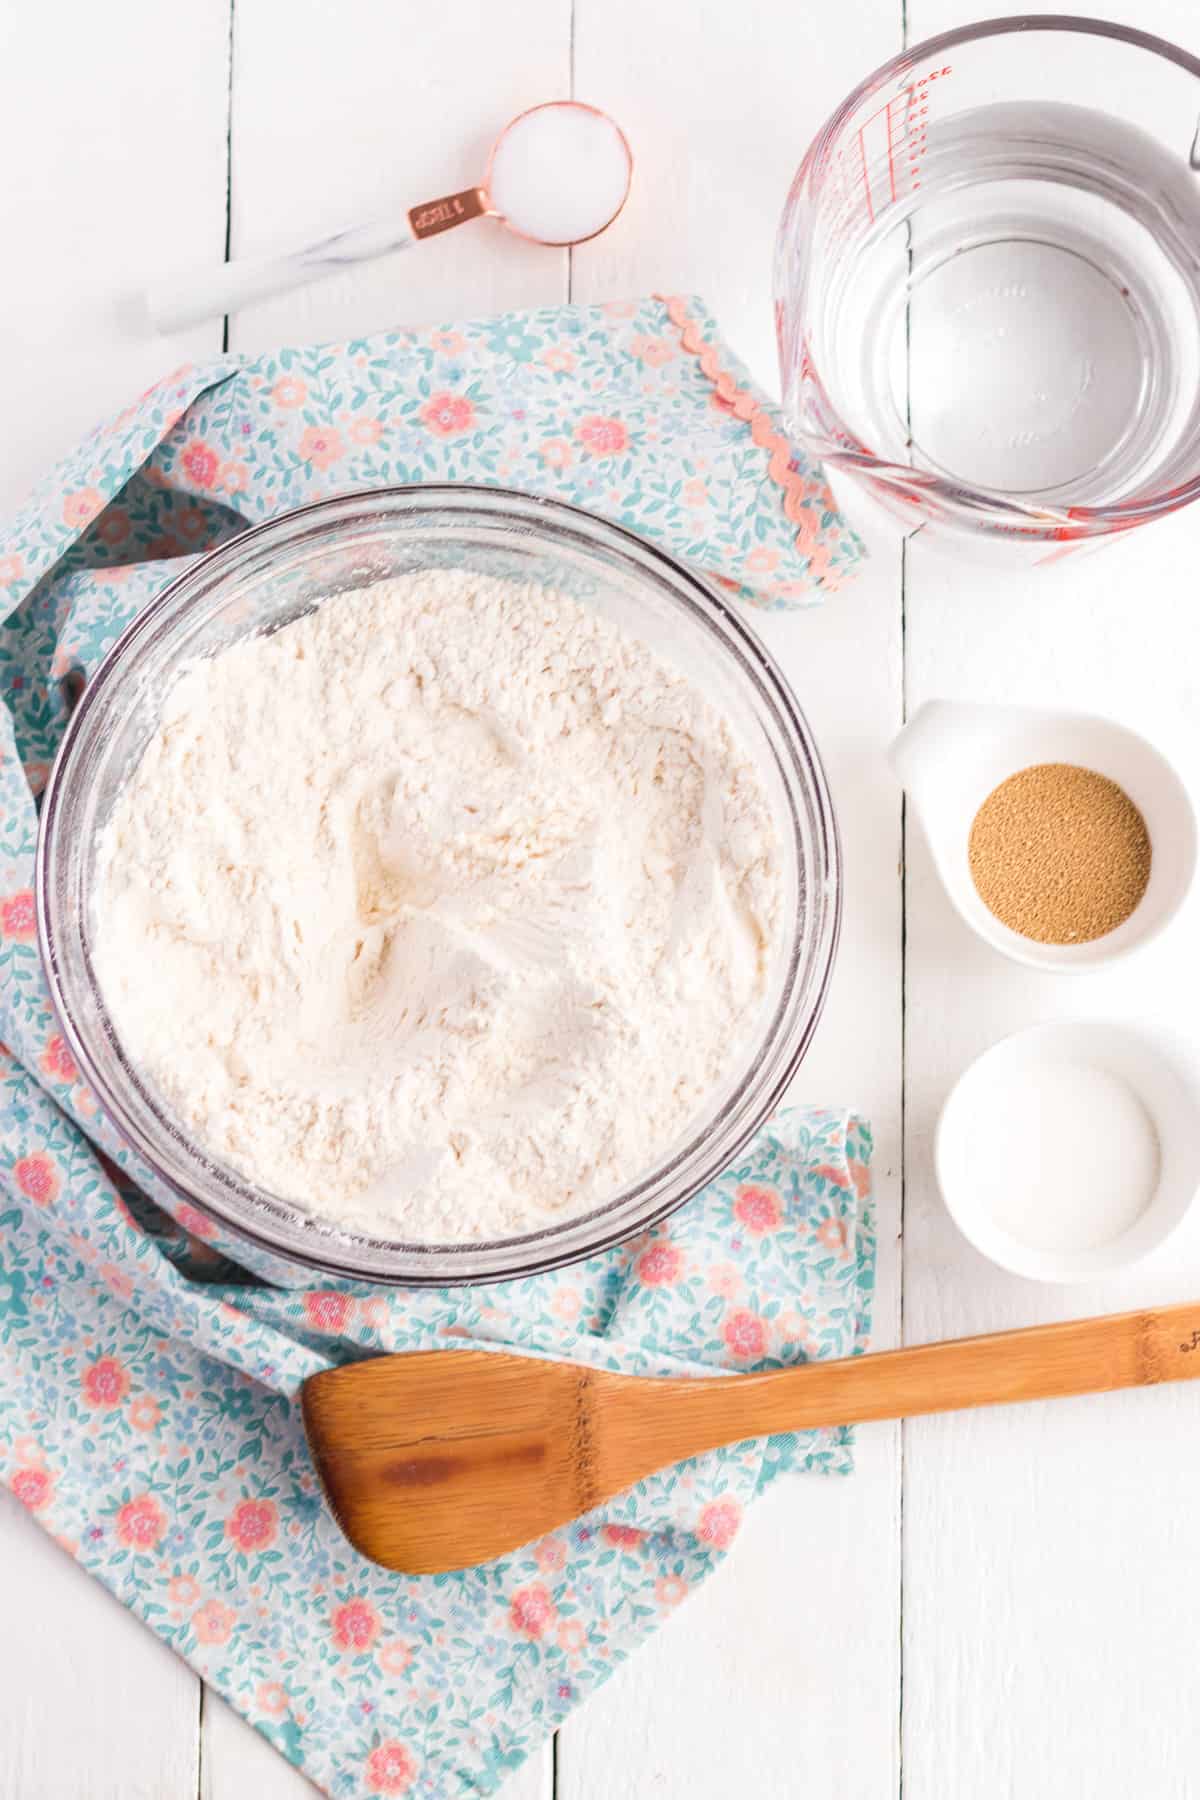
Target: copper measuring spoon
<point>557,175</point>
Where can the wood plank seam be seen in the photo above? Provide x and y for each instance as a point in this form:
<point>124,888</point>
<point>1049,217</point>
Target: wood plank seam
<point>228,157</point>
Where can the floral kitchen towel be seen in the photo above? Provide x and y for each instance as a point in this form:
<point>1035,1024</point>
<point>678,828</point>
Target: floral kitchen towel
<point>148,1383</point>
<point>178,1475</point>
<point>638,411</point>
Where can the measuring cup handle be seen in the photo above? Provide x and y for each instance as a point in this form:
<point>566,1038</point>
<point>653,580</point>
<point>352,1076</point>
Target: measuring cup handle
<point>207,293</point>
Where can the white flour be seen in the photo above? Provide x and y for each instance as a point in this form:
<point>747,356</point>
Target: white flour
<point>441,911</point>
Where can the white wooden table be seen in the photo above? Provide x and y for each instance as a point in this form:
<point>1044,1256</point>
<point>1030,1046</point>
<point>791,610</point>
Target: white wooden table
<point>999,1604</point>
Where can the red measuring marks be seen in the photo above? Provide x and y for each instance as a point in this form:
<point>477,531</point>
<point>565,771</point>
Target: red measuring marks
<point>881,163</point>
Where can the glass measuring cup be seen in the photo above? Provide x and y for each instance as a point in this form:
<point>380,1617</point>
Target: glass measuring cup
<point>988,282</point>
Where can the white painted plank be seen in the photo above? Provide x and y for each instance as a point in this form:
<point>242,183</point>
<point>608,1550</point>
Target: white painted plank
<point>719,103</point>
<point>94,1705</point>
<point>112,136</point>
<point>324,134</point>
<point>1046,1549</point>
<point>347,110</point>
<point>763,1674</point>
<point>1050,1588</point>
<point>115,163</point>
<point>761,1679</point>
<point>765,1671</point>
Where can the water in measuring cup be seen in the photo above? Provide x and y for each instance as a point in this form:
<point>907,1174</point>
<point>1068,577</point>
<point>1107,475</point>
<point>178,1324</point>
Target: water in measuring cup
<point>1026,317</point>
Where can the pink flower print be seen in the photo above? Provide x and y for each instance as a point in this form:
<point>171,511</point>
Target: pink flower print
<point>448,343</point>
<point>234,478</point>
<point>321,446</point>
<point>141,1522</point>
<point>695,492</point>
<point>622,1537</point>
<point>759,1209</point>
<point>834,1176</point>
<point>831,1234</point>
<point>355,1625</point>
<point>560,361</point>
<point>860,1177</point>
<point>272,1699</point>
<point>327,1311</point>
<point>195,1222</point>
<point>555,453</point>
<point>57,1061</point>
<point>164,546</point>
<point>213,1623</point>
<point>190,521</point>
<point>449,415</point>
<point>144,1413</point>
<point>659,1266</point>
<point>532,1611</point>
<point>762,560</point>
<point>12,567</point>
<point>105,1383</point>
<point>718,1523</point>
<point>81,507</point>
<point>116,1280</point>
<point>366,431</point>
<point>724,1279</point>
<point>18,920</point>
<point>34,1488</point>
<point>114,526</point>
<point>550,1554</point>
<point>567,1305</point>
<point>252,1525</point>
<point>183,1590</point>
<point>289,390</point>
<point>201,464</point>
<point>391,1768</point>
<point>602,437</point>
<point>37,1178</point>
<point>669,1590</point>
<point>745,1334</point>
<point>793,1327</point>
<point>394,1657</point>
<point>654,351</point>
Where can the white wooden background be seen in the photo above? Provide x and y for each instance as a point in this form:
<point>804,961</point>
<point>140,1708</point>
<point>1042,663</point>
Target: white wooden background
<point>997,1605</point>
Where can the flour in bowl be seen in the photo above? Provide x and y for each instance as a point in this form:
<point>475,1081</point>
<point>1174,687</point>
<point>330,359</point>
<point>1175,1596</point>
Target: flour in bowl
<point>440,912</point>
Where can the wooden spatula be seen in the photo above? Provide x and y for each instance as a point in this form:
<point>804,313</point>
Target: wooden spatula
<point>444,1458</point>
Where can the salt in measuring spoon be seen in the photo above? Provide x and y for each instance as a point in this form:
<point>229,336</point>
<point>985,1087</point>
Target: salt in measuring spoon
<point>557,175</point>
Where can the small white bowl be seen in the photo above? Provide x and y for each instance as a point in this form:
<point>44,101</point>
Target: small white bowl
<point>1158,1073</point>
<point>950,757</point>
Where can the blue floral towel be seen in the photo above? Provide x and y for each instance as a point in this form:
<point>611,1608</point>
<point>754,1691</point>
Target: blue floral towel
<point>148,1384</point>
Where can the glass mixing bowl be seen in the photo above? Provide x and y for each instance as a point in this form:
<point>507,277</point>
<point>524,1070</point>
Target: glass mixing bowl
<point>271,575</point>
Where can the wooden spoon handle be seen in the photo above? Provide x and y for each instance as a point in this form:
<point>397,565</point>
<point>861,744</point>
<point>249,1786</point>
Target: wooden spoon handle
<point>1041,1362</point>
